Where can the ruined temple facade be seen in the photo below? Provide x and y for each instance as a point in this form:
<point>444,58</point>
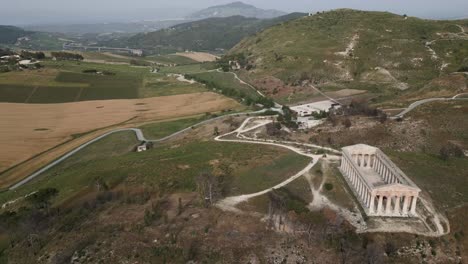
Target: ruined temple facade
<point>379,185</point>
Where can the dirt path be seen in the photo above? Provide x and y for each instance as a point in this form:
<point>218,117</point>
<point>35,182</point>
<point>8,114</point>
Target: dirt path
<point>320,201</point>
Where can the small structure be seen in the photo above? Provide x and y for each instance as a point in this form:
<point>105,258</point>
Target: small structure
<point>144,146</point>
<point>380,186</point>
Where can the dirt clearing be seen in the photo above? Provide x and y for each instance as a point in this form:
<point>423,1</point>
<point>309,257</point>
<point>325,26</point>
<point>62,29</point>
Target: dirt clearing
<point>29,129</point>
<point>198,56</point>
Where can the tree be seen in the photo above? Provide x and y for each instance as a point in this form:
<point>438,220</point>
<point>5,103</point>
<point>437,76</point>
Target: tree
<point>216,131</point>
<point>208,187</point>
<point>42,198</point>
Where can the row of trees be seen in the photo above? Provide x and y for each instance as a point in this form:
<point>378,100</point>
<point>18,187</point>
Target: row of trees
<point>232,92</point>
<point>62,55</point>
<point>32,55</point>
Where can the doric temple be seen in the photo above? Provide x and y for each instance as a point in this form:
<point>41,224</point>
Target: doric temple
<point>379,185</point>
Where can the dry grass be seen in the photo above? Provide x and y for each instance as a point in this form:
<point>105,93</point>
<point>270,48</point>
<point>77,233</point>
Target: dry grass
<point>198,56</point>
<point>30,129</point>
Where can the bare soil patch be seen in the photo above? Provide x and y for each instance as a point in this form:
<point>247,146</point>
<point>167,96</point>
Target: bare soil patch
<point>198,56</point>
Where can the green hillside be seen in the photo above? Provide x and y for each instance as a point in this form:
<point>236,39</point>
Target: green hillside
<point>208,34</point>
<point>379,52</point>
<point>9,34</point>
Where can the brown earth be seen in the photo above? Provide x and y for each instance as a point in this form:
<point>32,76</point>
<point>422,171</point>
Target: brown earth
<point>198,56</point>
<point>30,129</point>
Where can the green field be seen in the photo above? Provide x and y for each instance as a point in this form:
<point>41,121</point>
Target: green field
<point>159,84</point>
<point>192,68</point>
<point>224,80</point>
<point>166,168</point>
<point>170,59</point>
<point>159,130</point>
<point>65,81</point>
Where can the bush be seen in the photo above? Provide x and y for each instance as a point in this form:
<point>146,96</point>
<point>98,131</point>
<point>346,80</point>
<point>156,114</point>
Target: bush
<point>61,55</point>
<point>328,186</point>
<point>347,123</point>
<point>451,150</point>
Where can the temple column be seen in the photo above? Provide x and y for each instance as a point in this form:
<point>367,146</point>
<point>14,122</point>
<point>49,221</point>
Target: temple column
<point>379,205</point>
<point>371,206</point>
<point>413,205</point>
<point>389,205</point>
<point>405,204</point>
<point>397,205</point>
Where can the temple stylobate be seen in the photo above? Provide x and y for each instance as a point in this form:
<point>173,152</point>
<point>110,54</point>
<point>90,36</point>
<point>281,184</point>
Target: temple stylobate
<point>379,185</point>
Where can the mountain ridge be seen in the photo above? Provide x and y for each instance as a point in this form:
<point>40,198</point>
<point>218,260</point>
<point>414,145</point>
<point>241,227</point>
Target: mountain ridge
<point>234,9</point>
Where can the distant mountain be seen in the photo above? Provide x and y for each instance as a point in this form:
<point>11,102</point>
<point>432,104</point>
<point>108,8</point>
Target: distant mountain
<point>10,34</point>
<point>235,9</point>
<point>207,34</point>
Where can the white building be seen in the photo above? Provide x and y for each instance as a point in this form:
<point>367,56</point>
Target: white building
<point>378,184</point>
<point>304,112</point>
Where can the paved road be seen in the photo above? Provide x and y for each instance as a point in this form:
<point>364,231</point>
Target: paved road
<point>140,136</point>
<point>412,106</point>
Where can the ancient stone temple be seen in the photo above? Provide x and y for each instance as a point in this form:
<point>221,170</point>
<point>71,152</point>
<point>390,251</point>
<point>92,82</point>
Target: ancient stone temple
<point>379,185</point>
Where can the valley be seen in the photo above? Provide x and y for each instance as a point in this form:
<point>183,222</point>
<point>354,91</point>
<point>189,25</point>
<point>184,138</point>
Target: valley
<point>228,139</point>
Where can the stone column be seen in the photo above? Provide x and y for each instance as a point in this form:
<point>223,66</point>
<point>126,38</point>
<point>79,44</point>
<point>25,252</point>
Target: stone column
<point>405,204</point>
<point>397,205</point>
<point>413,205</point>
<point>371,206</point>
<point>379,205</point>
<point>389,205</point>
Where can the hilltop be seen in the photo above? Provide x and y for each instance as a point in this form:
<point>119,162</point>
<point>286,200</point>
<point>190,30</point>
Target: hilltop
<point>206,34</point>
<point>235,9</point>
<point>378,52</point>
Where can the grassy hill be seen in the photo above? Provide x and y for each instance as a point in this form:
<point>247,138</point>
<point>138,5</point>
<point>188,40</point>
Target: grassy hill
<point>379,52</point>
<point>208,34</point>
<point>9,34</point>
<point>235,9</point>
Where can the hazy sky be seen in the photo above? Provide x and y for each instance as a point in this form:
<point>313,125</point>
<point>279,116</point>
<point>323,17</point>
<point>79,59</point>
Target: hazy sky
<point>68,11</point>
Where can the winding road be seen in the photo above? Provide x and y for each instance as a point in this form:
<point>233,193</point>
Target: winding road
<point>412,106</point>
<point>140,136</point>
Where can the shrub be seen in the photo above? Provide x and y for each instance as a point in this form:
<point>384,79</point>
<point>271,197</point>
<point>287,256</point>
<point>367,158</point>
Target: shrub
<point>328,186</point>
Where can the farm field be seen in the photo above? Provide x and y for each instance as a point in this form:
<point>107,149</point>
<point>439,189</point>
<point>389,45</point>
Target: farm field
<point>171,59</point>
<point>162,85</point>
<point>107,57</point>
<point>167,168</point>
<point>30,129</point>
<point>65,81</point>
<point>198,56</point>
<point>223,80</point>
<point>187,69</point>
